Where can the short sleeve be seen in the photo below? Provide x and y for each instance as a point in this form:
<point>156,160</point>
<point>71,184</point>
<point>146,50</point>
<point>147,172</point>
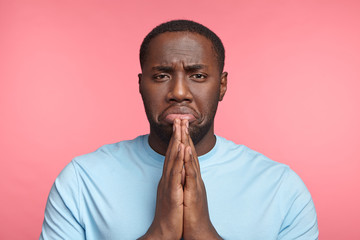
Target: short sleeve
<point>62,218</point>
<point>300,220</point>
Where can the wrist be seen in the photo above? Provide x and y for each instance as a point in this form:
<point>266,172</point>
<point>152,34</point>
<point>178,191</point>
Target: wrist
<point>206,232</point>
<point>156,232</point>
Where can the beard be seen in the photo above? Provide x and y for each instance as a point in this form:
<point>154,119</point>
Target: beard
<point>197,131</point>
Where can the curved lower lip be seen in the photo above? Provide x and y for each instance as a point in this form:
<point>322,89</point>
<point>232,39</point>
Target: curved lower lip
<point>171,117</point>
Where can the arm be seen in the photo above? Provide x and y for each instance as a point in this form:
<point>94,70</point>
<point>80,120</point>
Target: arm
<point>61,216</point>
<point>300,221</point>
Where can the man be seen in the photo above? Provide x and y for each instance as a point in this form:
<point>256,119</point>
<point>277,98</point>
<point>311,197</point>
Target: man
<point>180,181</point>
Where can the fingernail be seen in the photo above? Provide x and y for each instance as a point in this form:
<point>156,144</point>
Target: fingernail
<point>174,127</point>
<point>187,130</point>
<point>187,124</point>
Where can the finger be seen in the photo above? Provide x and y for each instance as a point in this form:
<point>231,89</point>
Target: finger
<point>190,171</point>
<point>176,170</point>
<point>173,146</point>
<point>195,157</point>
<point>176,135</point>
<point>183,176</point>
<point>185,132</point>
<point>177,131</point>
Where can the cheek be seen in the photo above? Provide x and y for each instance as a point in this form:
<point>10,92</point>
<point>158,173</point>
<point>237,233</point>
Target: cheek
<point>207,100</point>
<point>152,101</point>
<point>154,92</point>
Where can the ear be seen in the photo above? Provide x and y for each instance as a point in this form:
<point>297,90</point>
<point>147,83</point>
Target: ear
<point>223,85</point>
<point>140,78</point>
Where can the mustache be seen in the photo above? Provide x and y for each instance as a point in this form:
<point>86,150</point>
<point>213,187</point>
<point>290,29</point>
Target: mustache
<point>178,109</point>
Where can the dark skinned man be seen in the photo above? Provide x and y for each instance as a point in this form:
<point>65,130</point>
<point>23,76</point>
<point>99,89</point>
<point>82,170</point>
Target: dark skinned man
<point>181,180</point>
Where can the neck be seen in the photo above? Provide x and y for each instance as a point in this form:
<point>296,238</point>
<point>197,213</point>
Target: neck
<point>202,147</point>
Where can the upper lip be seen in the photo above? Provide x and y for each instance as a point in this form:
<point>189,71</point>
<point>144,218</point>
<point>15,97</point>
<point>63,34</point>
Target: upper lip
<point>178,109</point>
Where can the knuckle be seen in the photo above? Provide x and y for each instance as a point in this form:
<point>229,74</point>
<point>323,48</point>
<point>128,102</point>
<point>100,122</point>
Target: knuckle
<point>192,173</point>
<point>173,173</point>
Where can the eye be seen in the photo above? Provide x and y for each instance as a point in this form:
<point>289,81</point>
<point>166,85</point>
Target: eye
<point>161,77</point>
<point>198,77</point>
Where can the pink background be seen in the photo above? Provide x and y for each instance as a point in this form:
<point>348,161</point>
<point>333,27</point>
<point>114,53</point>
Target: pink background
<point>68,84</point>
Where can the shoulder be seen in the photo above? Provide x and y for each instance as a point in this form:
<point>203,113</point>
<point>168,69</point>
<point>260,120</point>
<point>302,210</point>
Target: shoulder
<point>271,180</point>
<point>97,164</point>
<point>110,153</point>
<point>261,170</point>
<point>248,158</point>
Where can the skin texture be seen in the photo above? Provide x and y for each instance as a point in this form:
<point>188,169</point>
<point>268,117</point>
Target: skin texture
<point>181,76</point>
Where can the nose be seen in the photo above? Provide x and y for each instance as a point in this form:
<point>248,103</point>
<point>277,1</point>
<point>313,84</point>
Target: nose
<point>179,89</point>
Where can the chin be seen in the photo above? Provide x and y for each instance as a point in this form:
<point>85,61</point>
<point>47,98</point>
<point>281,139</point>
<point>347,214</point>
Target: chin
<point>198,133</point>
<point>164,132</point>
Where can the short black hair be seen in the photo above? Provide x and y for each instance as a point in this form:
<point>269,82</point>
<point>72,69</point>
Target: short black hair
<point>184,26</point>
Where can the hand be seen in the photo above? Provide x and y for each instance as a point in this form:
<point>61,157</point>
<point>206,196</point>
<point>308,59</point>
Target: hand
<point>181,205</point>
<point>197,224</point>
<point>168,220</point>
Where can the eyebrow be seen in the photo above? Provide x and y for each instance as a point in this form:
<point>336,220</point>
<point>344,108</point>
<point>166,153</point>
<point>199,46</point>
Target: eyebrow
<point>192,68</point>
<point>189,68</point>
<point>163,68</point>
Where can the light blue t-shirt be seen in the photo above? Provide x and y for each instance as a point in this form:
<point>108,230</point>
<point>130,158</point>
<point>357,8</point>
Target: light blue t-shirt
<point>111,194</point>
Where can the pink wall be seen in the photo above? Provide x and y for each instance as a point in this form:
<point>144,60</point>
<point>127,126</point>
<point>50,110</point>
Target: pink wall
<point>68,84</point>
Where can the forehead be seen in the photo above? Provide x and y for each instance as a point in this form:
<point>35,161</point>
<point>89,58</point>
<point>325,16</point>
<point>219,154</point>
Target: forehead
<point>186,47</point>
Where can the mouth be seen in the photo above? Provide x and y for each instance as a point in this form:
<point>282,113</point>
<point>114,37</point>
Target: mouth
<point>170,118</point>
<point>180,112</point>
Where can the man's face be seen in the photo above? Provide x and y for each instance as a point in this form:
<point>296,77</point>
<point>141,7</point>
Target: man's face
<point>181,79</point>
